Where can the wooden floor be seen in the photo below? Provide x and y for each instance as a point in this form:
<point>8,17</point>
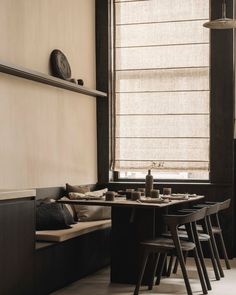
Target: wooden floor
<point>98,284</point>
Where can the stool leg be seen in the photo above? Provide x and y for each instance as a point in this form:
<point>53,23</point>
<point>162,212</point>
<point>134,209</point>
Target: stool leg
<point>212,256</point>
<point>184,272</point>
<point>213,261</point>
<point>160,268</point>
<point>222,243</point>
<point>180,256</point>
<point>141,273</point>
<point>155,263</point>
<point>215,250</point>
<point>185,256</point>
<point>177,263</point>
<point>176,266</point>
<point>224,251</point>
<point>201,257</point>
<point>170,266</point>
<point>202,281</point>
<point>205,273</point>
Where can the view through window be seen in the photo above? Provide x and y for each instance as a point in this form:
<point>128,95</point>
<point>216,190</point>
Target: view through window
<point>161,74</point>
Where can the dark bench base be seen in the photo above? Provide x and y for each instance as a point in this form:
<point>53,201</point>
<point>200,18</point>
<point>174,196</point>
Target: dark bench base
<point>59,264</point>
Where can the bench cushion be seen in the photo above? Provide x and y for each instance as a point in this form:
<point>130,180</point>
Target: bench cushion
<point>76,230</point>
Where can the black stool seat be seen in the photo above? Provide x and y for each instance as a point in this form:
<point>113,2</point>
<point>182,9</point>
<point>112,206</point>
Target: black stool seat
<point>166,244</point>
<point>216,230</point>
<point>162,246</point>
<point>184,236</point>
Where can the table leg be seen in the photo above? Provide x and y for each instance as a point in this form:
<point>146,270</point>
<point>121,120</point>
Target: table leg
<point>129,227</point>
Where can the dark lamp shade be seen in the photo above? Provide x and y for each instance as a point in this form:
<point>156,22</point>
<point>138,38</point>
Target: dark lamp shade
<point>221,24</point>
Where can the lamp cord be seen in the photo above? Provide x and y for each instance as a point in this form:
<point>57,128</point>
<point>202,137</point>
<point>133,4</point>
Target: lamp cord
<point>224,9</point>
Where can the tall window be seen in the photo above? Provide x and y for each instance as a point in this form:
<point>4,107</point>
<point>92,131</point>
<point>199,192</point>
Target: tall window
<point>161,90</point>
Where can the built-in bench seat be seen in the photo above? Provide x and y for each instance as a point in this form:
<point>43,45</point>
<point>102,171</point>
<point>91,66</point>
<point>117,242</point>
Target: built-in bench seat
<point>76,230</point>
<point>64,256</point>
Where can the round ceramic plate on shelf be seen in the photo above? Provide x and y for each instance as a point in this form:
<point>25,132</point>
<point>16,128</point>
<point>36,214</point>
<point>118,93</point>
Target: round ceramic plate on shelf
<point>60,65</point>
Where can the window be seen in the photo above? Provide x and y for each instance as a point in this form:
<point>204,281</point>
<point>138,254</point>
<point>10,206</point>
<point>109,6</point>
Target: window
<point>161,88</point>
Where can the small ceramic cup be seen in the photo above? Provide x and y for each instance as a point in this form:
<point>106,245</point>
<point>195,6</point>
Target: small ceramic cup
<point>110,196</point>
<point>135,195</point>
<point>155,193</point>
<point>128,193</point>
<point>142,190</point>
<point>167,191</point>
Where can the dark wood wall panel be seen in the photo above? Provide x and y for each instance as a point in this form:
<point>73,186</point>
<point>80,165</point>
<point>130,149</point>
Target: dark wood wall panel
<point>17,239</point>
<point>222,99</point>
<point>234,203</point>
<point>222,114</point>
<point>102,83</point>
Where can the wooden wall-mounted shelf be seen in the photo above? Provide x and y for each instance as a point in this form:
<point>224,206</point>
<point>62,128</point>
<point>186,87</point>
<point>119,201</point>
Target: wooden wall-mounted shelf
<point>25,73</point>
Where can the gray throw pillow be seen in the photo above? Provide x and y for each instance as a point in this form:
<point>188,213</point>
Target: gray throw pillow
<point>51,216</point>
<point>77,188</point>
<point>89,213</point>
<point>70,208</point>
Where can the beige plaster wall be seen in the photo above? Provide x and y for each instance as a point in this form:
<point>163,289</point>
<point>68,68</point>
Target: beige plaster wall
<point>48,135</point>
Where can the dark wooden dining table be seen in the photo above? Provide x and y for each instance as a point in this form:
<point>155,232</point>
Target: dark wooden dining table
<point>132,222</point>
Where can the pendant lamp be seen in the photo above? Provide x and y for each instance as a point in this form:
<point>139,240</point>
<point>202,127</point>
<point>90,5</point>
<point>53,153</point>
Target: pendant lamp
<point>223,22</point>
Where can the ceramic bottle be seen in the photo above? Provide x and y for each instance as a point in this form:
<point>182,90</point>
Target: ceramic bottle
<point>148,183</point>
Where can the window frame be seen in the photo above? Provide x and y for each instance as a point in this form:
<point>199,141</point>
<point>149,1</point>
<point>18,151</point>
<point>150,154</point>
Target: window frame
<point>221,110</point>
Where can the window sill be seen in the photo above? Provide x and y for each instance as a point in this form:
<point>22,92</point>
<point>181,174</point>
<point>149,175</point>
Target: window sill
<point>192,183</point>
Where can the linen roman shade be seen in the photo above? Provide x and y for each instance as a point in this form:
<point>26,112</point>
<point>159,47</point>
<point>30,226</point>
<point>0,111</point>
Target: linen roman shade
<point>161,74</point>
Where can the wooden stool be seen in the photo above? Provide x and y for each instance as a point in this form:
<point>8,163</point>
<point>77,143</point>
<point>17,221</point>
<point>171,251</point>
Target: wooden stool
<point>174,246</point>
<point>205,234</point>
<point>217,231</point>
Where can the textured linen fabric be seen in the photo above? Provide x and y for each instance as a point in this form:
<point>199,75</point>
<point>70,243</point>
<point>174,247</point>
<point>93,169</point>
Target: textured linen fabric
<point>162,87</point>
<point>88,212</point>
